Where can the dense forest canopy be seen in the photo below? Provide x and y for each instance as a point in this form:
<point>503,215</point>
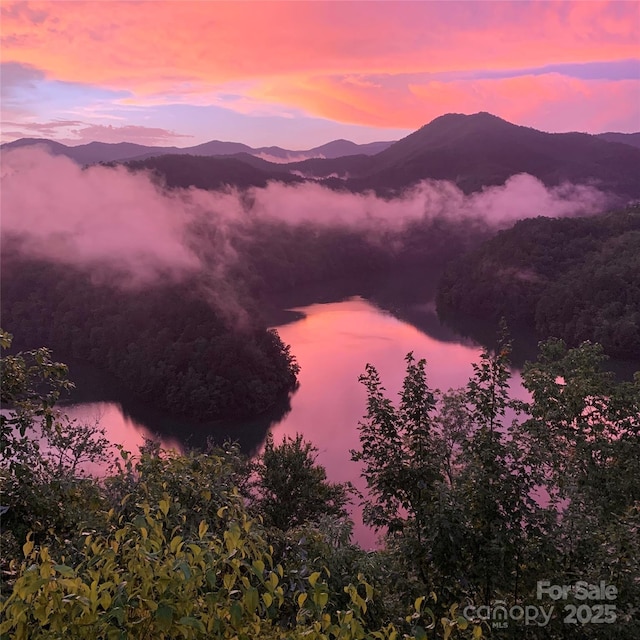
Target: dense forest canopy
<point>574,278</point>
<point>168,343</point>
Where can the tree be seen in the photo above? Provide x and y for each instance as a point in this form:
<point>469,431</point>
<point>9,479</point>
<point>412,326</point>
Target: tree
<point>44,485</point>
<point>495,486</point>
<point>400,449</point>
<point>31,383</point>
<point>512,492</point>
<point>410,458</point>
<point>291,488</point>
<point>583,431</point>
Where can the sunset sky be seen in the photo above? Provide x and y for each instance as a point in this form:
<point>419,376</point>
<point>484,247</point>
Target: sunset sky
<point>298,74</point>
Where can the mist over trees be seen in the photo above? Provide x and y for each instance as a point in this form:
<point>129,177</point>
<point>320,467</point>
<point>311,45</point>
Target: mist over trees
<point>226,248</point>
<point>196,345</point>
<point>167,343</point>
<point>183,327</point>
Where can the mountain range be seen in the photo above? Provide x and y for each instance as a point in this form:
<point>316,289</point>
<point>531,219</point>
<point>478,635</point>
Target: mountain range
<point>94,152</point>
<point>473,151</point>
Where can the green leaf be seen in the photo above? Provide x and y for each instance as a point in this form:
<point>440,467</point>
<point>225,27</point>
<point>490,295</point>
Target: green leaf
<point>175,544</point>
<point>184,567</point>
<point>164,616</point>
<point>64,570</point>
<point>419,633</point>
<point>27,547</point>
<point>194,623</point>
<point>118,614</point>
<point>251,599</point>
<point>463,623</point>
<point>258,567</point>
<point>236,614</point>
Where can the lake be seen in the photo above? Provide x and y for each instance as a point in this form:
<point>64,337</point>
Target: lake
<point>332,342</point>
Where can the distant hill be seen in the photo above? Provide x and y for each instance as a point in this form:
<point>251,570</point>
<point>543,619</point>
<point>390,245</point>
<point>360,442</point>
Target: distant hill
<point>212,148</point>
<point>90,153</point>
<point>632,139</point>
<point>341,148</point>
<point>55,148</point>
<point>95,152</point>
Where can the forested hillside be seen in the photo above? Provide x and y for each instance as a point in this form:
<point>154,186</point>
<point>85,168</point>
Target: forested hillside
<point>481,149</point>
<point>169,343</point>
<point>575,278</point>
<point>211,172</point>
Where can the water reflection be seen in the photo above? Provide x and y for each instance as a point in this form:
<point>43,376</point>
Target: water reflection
<point>130,421</point>
<point>121,429</point>
<point>333,342</point>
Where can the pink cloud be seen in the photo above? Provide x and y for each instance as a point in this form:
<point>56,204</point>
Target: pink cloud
<point>75,132</point>
<point>550,102</point>
<point>125,133</point>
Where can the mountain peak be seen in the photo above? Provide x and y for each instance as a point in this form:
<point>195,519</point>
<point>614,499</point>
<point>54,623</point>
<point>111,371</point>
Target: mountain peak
<point>482,118</point>
<point>445,131</point>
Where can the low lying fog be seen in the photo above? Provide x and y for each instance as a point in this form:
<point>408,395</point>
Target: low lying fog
<point>106,215</point>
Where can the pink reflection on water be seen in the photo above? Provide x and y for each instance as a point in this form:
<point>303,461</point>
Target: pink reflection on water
<point>119,429</point>
<point>333,343</point>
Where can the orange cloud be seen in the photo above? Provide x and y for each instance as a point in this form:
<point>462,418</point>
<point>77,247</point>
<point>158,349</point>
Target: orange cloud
<point>551,101</point>
<point>127,44</point>
<point>569,103</point>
